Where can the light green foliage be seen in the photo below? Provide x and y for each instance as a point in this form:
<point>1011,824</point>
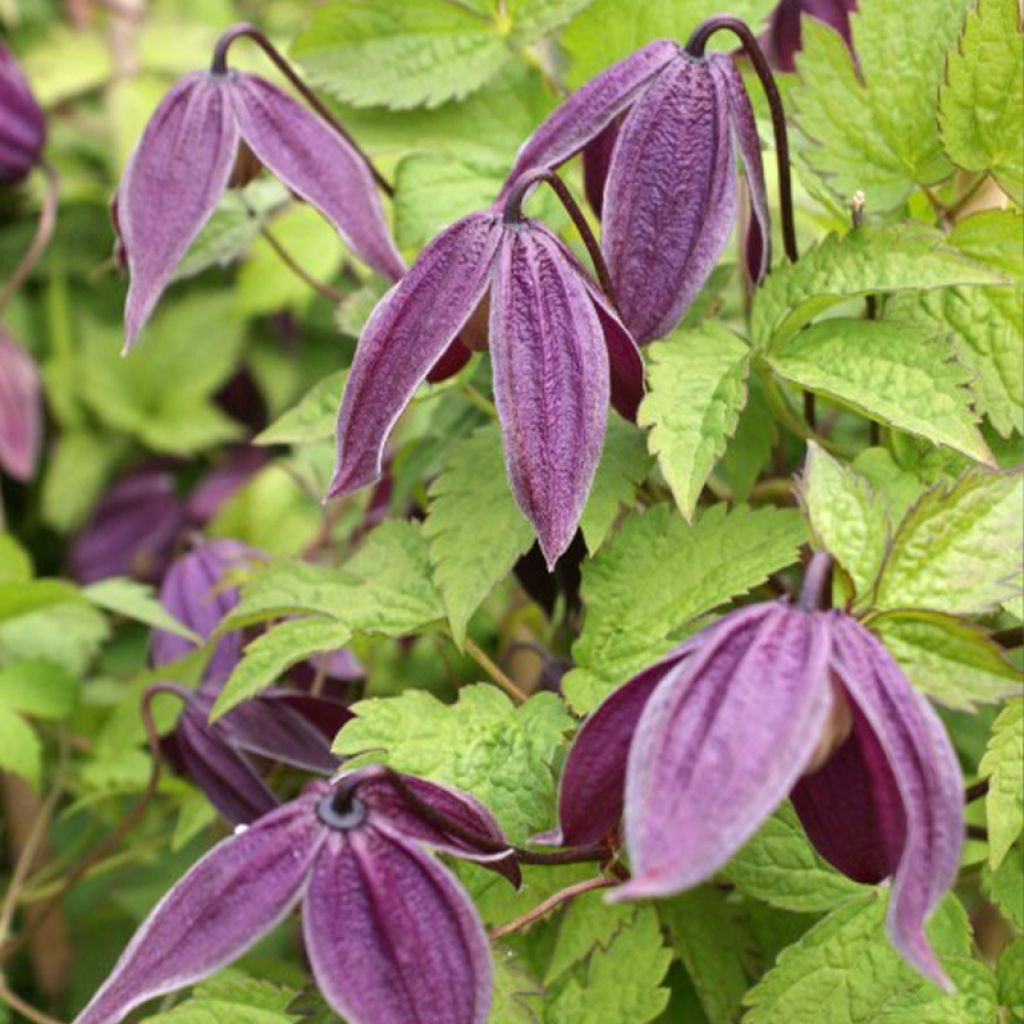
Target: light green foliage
<point>696,390</point>
<point>312,418</point>
<point>981,102</point>
<point>779,866</point>
<point>874,127</point>
<point>658,574</point>
<point>482,744</point>
<point>587,924</point>
<point>958,549</point>
<point>898,374</point>
<point>136,601</point>
<point>475,528</point>
<point>1001,765</point>
<point>1004,886</point>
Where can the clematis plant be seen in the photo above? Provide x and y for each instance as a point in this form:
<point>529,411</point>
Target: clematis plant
<point>773,700</point>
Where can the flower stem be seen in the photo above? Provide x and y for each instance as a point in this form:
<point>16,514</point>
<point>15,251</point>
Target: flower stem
<point>40,240</point>
<point>570,892</point>
<point>219,66</point>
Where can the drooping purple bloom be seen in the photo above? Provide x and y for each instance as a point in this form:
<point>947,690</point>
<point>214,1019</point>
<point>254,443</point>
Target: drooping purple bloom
<point>184,161</point>
<point>21,410</point>
<point>391,936</point>
<point>22,125</point>
<point>769,701</point>
<point>668,201</point>
<point>558,350</point>
<point>782,39</point>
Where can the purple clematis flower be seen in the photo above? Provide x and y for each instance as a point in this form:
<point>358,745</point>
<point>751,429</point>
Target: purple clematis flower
<point>782,39</point>
<point>21,410</point>
<point>391,936</point>
<point>664,178</point>
<point>769,701</point>
<point>185,159</point>
<point>558,349</point>
<point>22,125</point>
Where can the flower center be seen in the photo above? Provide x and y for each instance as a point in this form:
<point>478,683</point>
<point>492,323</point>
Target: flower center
<point>342,810</point>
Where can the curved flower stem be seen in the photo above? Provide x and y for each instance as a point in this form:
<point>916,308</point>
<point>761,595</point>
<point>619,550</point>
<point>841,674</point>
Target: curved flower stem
<point>695,47</point>
<point>40,240</point>
<point>219,66</point>
<point>513,212</point>
<point>570,892</point>
<point>494,671</point>
<point>320,287</point>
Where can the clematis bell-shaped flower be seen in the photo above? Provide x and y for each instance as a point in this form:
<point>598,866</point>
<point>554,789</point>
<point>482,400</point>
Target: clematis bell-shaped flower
<point>775,700</point>
<point>782,39</point>
<point>664,126</point>
<point>558,352</point>
<point>21,410</point>
<point>185,159</point>
<point>22,125</point>
<point>391,936</point>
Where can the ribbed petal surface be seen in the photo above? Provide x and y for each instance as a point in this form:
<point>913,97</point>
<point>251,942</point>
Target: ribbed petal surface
<point>551,382</point>
<point>22,127</point>
<point>721,743</point>
<point>670,199</point>
<point>315,162</point>
<point>392,937</point>
<point>405,336</point>
<point>926,770</point>
<point>175,177</point>
<point>229,899</point>
<point>21,410</point>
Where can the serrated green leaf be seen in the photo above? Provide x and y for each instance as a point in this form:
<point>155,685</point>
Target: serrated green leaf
<point>475,528</point>
<point>981,102</point>
<point>15,563</point>
<point>589,923</point>
<point>898,374</point>
<point>659,573</point>
<point>697,388</point>
<point>1001,765</point>
<point>482,744</point>
<point>21,752</point>
<point>951,552</point>
<point>1010,975</point>
<point>312,418</point>
<point>873,126</point>
<point>43,689</point>
<point>1004,886</point>
<point>866,261</point>
<point>136,601</point>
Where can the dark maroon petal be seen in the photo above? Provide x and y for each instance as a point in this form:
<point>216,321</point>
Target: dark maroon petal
<point>392,937</point>
<point>670,200</point>
<point>22,126</point>
<point>171,185</point>
<point>922,760</point>
<point>721,743</point>
<point>225,480</point>
<point>589,110</point>
<point>21,409</point>
<point>228,900</point>
<point>551,382</point>
<point>405,336</point>
<point>597,159</point>
<point>319,165</point>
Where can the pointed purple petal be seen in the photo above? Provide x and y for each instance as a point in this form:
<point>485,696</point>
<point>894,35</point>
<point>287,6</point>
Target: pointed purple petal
<point>392,937</point>
<point>21,410</point>
<point>230,898</point>
<point>670,200</point>
<point>589,110</point>
<point>171,185</point>
<point>551,382</point>
<point>405,336</point>
<point>927,774</point>
<point>597,159</point>
<point>315,162</point>
<point>721,743</point>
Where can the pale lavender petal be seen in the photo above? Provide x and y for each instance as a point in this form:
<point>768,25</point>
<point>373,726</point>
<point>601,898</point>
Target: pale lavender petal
<point>597,159</point>
<point>22,126</point>
<point>171,185</point>
<point>721,743</point>
<point>927,773</point>
<point>405,336</point>
<point>551,382</point>
<point>235,894</point>
<point>590,109</point>
<point>21,410</point>
<point>392,937</point>
<point>670,200</point>
<point>316,163</point>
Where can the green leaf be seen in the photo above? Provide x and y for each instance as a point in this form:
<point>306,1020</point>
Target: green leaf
<point>1001,765</point>
<point>1010,975</point>
<point>873,126</point>
<point>136,601</point>
<point>1005,885</point>
<point>312,419</point>
<point>43,689</point>
<point>780,866</point>
<point>898,374</point>
<point>697,388</point>
<point>475,528</point>
<point>862,262</point>
<point>981,102</point>
<point>20,749</point>
<point>950,553</point>
<point>624,465</point>
<point>589,923</point>
<point>658,573</point>
<point>951,660</point>
<point>482,744</point>
<point>15,563</point>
